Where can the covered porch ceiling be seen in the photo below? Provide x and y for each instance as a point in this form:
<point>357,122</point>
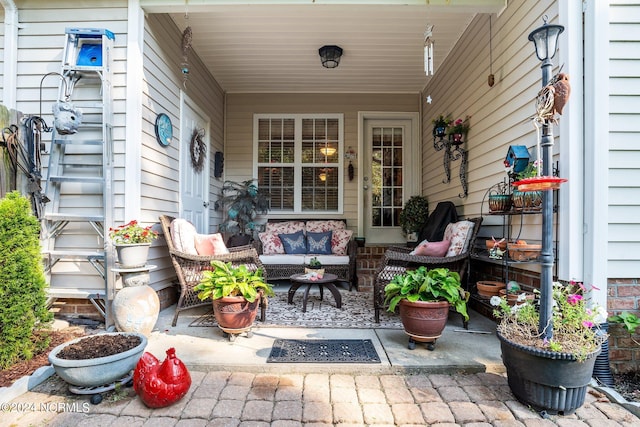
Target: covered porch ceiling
<point>254,46</point>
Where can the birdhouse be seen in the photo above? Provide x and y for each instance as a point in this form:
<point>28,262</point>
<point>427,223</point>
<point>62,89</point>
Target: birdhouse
<point>517,158</point>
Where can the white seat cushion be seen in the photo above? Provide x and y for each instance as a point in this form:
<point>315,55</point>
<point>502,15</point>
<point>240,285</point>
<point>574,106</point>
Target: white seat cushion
<point>329,259</point>
<point>282,259</point>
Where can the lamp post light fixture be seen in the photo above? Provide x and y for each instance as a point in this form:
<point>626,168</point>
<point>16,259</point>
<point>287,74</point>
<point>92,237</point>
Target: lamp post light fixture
<point>330,56</point>
<point>545,39</point>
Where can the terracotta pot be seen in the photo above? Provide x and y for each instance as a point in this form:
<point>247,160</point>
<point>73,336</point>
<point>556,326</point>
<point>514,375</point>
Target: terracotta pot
<point>492,243</point>
<point>488,288</point>
<point>512,298</point>
<point>235,313</point>
<point>424,320</point>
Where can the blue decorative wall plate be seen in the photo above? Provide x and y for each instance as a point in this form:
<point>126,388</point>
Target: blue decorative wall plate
<point>164,129</point>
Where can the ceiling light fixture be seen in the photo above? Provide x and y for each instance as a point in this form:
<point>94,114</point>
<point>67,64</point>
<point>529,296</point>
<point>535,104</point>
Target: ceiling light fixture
<point>328,151</point>
<point>330,56</point>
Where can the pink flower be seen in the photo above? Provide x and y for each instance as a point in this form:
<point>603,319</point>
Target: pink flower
<point>573,299</point>
<point>587,324</point>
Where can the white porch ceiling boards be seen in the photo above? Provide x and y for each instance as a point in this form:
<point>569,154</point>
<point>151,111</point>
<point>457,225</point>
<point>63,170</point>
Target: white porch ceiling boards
<point>264,46</point>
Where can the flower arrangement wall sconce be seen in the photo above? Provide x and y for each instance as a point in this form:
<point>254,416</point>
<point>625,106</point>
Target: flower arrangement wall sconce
<point>450,135</point>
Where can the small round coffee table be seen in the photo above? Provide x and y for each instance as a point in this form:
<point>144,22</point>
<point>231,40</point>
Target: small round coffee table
<point>327,280</point>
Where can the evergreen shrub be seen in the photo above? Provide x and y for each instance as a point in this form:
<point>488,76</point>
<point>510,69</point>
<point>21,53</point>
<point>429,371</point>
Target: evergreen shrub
<point>23,299</point>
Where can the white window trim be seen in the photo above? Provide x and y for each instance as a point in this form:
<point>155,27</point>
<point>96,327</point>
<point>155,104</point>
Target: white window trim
<point>297,165</point>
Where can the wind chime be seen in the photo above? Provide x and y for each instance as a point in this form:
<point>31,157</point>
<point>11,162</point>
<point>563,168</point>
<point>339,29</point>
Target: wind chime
<point>187,36</point>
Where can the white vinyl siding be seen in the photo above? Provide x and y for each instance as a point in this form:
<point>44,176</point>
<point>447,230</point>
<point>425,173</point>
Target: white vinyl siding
<point>41,39</point>
<point>500,115</point>
<point>623,251</point>
<point>163,80</point>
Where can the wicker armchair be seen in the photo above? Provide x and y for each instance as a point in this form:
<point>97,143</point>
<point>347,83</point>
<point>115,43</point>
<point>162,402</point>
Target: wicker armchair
<point>189,269</point>
<point>397,260</point>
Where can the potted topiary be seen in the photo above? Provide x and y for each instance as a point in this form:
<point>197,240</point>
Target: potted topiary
<point>433,291</point>
<point>413,217</point>
<point>243,201</point>
<point>236,293</point>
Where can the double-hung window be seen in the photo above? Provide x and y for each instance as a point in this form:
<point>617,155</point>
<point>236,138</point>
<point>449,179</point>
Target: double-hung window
<point>298,160</point>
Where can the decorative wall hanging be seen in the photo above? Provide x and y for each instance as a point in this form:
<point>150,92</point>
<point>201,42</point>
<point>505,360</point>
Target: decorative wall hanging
<point>164,129</point>
<point>187,37</point>
<point>428,51</point>
<point>450,136</point>
<point>218,164</point>
<point>198,150</point>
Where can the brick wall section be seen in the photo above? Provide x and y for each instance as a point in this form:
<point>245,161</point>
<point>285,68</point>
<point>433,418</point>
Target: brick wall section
<point>83,308</point>
<point>367,263</point>
<point>624,349</point>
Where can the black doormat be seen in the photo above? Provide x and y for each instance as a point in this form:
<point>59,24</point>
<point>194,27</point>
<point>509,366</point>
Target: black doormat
<point>323,351</point>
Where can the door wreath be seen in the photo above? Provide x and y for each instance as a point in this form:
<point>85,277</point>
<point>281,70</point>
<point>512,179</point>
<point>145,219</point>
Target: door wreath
<point>198,149</point>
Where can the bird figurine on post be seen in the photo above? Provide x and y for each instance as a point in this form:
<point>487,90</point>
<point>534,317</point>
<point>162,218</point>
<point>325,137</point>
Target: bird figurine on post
<point>553,97</point>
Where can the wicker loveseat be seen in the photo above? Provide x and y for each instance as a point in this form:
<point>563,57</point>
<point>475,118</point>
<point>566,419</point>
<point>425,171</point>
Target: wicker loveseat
<point>281,266</point>
<point>189,268</point>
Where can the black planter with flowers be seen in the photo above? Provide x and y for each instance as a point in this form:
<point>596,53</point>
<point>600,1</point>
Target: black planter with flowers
<point>550,374</point>
<point>546,380</point>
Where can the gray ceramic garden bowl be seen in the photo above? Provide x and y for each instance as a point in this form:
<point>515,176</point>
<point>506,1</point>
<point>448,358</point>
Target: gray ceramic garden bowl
<point>98,371</point>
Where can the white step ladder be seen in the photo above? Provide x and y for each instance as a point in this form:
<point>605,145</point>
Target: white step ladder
<point>77,250</point>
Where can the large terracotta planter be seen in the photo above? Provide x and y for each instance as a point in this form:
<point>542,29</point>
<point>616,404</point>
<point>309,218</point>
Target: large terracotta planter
<point>98,371</point>
<point>547,381</point>
<point>235,314</point>
<point>423,321</point>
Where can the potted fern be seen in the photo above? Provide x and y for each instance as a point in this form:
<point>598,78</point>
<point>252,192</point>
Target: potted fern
<point>236,293</point>
<point>433,291</point>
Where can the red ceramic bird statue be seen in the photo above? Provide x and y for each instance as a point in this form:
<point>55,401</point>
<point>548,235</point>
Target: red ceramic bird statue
<point>553,97</point>
<point>160,385</point>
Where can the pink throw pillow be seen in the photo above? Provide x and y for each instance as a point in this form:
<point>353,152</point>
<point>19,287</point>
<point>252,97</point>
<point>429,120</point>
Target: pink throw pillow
<point>340,241</point>
<point>320,226</point>
<point>435,249</point>
<point>210,244</point>
<point>271,243</point>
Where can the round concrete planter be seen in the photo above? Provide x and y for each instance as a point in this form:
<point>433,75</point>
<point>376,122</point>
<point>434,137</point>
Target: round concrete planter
<point>98,371</point>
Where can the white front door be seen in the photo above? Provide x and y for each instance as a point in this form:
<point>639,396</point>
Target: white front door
<point>388,179</point>
<point>194,184</point>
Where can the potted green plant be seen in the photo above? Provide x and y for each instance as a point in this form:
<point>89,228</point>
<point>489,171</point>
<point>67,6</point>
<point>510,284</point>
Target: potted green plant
<point>458,130</point>
<point>243,201</point>
<point>550,374</point>
<point>440,125</point>
<point>132,242</point>
<point>413,217</point>
<point>236,293</point>
<point>420,290</point>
